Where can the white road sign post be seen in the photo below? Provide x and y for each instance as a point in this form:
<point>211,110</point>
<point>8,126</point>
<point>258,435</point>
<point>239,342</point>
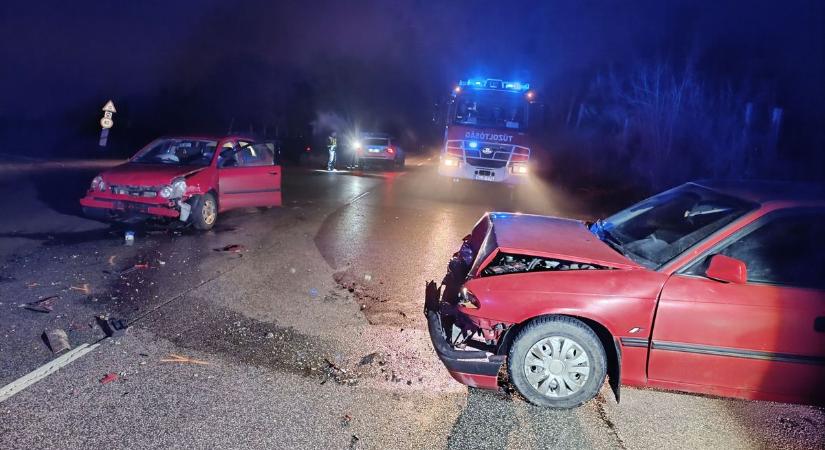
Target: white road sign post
<point>106,122</point>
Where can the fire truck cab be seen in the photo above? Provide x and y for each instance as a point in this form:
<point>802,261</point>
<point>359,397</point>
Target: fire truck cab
<point>486,134</point>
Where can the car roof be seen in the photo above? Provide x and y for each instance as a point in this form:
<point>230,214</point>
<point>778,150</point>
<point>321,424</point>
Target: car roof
<point>211,137</point>
<point>764,191</point>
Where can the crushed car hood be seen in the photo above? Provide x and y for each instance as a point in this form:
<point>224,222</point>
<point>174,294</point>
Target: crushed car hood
<point>135,174</point>
<point>553,237</point>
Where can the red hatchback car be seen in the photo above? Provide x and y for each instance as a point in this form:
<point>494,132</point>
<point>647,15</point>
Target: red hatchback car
<point>711,287</point>
<point>189,179</point>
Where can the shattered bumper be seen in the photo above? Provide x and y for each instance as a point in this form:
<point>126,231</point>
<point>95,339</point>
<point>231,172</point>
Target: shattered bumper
<point>474,368</point>
<point>110,208</point>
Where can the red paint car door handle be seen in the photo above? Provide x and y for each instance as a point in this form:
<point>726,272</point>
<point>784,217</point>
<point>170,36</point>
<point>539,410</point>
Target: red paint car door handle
<point>274,172</point>
<point>819,324</point>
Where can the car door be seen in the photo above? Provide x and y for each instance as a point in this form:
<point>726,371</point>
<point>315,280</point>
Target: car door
<point>764,338</point>
<point>248,175</point>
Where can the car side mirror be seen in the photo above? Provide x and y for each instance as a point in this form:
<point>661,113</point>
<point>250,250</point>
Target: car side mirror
<point>726,269</point>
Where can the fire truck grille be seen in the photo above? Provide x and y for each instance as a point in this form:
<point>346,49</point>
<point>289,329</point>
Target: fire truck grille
<point>488,163</point>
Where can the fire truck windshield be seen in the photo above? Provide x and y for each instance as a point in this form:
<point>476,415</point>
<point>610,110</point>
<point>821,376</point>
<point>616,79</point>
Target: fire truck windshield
<point>491,109</point>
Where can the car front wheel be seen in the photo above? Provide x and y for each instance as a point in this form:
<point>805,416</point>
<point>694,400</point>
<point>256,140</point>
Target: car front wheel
<point>205,212</point>
<point>558,362</point>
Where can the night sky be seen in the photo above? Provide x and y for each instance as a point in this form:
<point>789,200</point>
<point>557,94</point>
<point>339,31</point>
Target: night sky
<point>203,65</point>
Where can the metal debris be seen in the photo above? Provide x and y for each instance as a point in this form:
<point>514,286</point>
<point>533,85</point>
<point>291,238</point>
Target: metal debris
<point>84,288</point>
<point>232,248</point>
<point>44,305</point>
<point>57,340</point>
<point>183,359</point>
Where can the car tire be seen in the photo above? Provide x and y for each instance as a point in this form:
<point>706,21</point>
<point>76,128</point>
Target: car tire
<point>557,362</point>
<point>205,212</point>
<point>399,164</point>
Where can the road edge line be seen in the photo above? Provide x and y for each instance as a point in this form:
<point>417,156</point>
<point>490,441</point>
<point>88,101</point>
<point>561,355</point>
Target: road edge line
<point>44,371</point>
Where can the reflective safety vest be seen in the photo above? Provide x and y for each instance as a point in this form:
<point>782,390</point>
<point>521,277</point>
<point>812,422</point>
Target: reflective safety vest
<point>332,142</point>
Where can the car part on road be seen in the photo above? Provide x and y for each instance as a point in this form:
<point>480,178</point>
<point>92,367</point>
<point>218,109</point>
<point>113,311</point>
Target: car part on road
<point>232,248</point>
<point>130,238</point>
<point>108,378</point>
<point>139,266</point>
<point>204,212</point>
<point>44,305</point>
<point>84,288</point>
<point>112,327</point>
<point>57,340</point>
<point>183,359</point>
<point>557,361</point>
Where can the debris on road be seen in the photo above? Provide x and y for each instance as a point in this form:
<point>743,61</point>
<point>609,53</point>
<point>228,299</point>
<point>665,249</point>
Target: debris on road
<point>183,359</point>
<point>338,374</point>
<point>84,288</point>
<point>112,260</point>
<point>345,420</point>
<point>33,284</point>
<point>353,442</point>
<point>138,266</point>
<point>108,378</point>
<point>129,238</point>
<point>232,248</point>
<point>57,340</point>
<point>44,305</point>
<point>368,359</point>
<point>112,327</point>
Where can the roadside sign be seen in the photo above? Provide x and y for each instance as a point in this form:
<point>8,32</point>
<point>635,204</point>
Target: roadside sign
<point>106,122</point>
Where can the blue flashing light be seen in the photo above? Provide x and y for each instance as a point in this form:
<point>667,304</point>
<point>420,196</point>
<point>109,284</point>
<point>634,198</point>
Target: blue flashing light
<point>495,84</point>
<point>473,144</point>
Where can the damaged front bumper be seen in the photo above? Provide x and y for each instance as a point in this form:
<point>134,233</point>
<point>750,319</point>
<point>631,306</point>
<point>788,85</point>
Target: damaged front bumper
<point>110,208</point>
<point>474,368</point>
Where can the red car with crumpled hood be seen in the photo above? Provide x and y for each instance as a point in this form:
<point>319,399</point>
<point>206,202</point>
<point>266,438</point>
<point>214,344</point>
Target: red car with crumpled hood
<point>188,179</point>
<point>710,287</point>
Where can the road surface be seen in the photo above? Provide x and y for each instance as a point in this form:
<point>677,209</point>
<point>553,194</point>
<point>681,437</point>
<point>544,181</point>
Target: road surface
<point>307,333</point>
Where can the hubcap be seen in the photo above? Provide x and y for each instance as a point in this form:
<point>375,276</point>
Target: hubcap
<point>557,366</point>
<point>209,212</point>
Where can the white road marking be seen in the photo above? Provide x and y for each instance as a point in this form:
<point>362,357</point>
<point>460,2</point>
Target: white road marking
<point>45,370</point>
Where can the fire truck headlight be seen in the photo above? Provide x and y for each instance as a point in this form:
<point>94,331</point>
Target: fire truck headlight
<point>520,169</point>
<point>450,162</point>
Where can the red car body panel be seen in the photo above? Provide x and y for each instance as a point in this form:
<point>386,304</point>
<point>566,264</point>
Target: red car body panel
<point>674,331</point>
<point>569,239</point>
<point>234,187</point>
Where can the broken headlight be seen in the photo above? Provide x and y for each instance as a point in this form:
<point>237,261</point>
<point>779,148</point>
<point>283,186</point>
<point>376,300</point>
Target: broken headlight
<point>174,190</point>
<point>98,184</point>
<point>466,299</point>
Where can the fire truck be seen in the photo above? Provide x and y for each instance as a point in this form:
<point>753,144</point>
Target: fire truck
<point>486,136</point>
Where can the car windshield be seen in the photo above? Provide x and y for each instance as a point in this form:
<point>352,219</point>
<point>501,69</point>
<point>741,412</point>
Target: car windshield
<point>662,227</point>
<point>179,152</point>
<point>491,109</point>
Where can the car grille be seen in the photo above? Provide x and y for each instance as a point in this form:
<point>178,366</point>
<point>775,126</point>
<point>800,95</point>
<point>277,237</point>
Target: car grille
<point>488,163</point>
<point>134,191</point>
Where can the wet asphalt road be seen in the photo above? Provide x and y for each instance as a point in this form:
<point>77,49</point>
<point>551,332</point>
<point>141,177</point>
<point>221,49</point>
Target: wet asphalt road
<point>309,332</point>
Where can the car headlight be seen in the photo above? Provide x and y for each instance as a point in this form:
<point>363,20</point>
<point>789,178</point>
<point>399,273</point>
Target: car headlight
<point>178,188</point>
<point>165,192</point>
<point>466,299</point>
<point>174,190</point>
<point>98,184</point>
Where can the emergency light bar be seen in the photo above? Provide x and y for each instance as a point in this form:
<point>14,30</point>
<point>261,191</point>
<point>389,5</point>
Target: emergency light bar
<point>492,83</point>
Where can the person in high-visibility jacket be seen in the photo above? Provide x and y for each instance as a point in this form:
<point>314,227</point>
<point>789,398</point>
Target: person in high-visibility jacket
<point>332,146</point>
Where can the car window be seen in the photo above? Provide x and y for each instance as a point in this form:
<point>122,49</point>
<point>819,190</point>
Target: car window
<point>179,152</point>
<point>256,155</point>
<point>662,227</point>
<point>786,250</point>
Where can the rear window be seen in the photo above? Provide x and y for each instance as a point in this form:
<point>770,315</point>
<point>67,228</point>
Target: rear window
<point>377,141</point>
